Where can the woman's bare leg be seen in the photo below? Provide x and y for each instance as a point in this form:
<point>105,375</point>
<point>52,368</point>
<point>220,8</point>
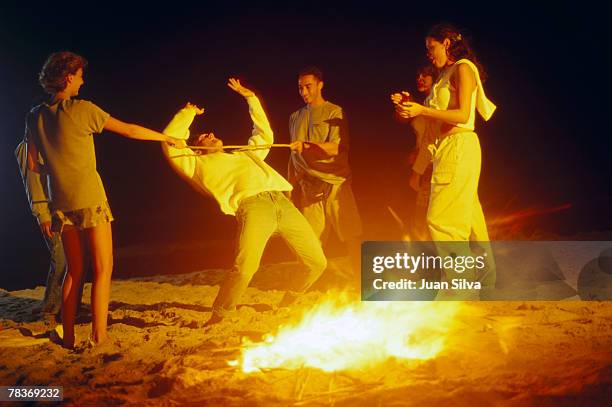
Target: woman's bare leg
<point>72,240</point>
<point>100,241</point>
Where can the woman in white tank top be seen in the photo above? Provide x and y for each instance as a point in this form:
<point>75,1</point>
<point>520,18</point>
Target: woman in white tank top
<point>454,212</point>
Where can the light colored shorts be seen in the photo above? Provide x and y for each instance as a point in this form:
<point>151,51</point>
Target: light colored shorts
<point>84,218</point>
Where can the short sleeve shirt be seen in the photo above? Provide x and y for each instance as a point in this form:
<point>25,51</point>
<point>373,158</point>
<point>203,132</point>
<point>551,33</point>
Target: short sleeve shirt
<point>321,124</point>
<point>63,132</point>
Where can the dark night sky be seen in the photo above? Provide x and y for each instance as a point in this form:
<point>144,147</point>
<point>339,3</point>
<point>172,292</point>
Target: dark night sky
<point>546,145</point>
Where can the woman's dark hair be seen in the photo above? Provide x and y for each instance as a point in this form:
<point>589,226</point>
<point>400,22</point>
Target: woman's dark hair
<point>427,70</point>
<point>54,73</point>
<point>193,137</point>
<point>459,45</point>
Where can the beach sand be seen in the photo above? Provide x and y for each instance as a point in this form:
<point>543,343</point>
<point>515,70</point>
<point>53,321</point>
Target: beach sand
<point>502,353</point>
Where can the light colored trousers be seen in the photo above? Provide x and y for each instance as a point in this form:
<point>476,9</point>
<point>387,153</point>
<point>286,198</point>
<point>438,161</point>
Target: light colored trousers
<point>337,212</point>
<point>454,212</point>
<point>259,217</point>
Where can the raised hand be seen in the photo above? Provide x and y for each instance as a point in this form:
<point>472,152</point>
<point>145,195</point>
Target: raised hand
<point>197,109</point>
<point>234,84</point>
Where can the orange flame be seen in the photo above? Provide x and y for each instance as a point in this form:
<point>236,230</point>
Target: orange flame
<point>336,336</point>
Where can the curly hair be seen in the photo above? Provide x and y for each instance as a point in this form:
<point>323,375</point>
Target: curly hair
<point>54,73</point>
<point>459,45</point>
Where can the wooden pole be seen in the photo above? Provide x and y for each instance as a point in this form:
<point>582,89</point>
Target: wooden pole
<point>243,147</point>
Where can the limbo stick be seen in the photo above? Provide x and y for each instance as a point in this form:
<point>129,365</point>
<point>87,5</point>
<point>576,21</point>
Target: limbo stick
<point>243,147</point>
<point>236,148</point>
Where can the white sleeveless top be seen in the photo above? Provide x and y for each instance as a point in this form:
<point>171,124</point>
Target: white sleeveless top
<point>443,95</point>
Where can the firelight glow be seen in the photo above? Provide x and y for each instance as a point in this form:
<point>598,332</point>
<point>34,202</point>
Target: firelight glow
<point>335,337</point>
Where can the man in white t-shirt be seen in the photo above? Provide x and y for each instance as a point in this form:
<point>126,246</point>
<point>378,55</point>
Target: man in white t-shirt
<point>245,186</point>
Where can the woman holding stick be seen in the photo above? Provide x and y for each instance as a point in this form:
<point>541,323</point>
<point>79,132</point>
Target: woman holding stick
<point>60,132</point>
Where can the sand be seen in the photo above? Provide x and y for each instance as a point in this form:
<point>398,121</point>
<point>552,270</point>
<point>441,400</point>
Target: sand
<point>501,353</point>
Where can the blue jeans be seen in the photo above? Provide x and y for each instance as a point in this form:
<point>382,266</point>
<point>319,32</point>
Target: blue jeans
<point>52,301</point>
<point>259,217</point>
<point>55,277</point>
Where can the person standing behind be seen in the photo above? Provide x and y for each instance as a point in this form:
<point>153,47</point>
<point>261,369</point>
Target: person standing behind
<point>62,131</point>
<point>36,188</point>
<point>319,168</point>
<point>420,157</point>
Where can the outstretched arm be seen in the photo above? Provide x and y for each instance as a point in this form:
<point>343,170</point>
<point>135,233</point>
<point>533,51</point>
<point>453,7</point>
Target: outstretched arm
<point>181,159</point>
<point>262,132</point>
<point>137,132</point>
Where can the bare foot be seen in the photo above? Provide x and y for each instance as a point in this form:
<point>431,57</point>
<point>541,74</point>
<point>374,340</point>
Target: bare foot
<point>98,339</point>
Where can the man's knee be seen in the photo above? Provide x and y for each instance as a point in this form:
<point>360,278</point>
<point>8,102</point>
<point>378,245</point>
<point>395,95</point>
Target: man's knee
<point>245,266</point>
